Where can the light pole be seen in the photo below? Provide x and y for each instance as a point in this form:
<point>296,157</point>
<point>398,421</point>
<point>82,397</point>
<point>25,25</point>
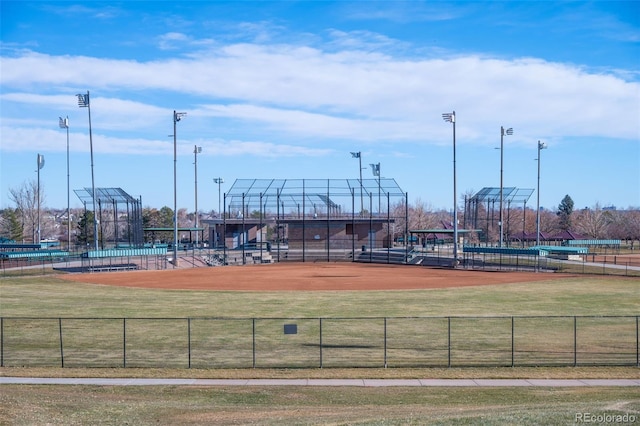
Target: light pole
<point>196,150</point>
<point>358,155</point>
<point>84,102</point>
<point>64,124</point>
<point>177,116</point>
<point>509,132</point>
<point>40,164</point>
<point>541,146</point>
<point>375,169</point>
<point>219,181</point>
<point>450,117</point>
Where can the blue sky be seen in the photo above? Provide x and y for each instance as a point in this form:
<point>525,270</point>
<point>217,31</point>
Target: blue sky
<point>289,89</point>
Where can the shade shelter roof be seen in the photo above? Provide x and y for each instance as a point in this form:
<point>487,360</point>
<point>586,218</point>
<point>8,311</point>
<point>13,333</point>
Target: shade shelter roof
<point>104,195</point>
<point>292,193</point>
<point>509,195</point>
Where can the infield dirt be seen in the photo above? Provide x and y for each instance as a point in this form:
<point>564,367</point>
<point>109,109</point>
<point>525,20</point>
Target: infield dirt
<point>310,277</point>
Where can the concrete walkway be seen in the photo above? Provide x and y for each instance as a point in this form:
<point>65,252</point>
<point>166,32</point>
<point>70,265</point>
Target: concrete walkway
<point>321,382</point>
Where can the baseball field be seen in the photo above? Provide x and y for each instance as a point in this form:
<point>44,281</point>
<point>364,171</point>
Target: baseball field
<point>307,291</point>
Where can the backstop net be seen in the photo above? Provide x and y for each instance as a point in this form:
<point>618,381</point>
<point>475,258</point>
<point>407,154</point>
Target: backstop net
<point>275,220</point>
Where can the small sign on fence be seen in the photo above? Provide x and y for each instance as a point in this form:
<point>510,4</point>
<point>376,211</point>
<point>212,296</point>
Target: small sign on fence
<point>291,329</point>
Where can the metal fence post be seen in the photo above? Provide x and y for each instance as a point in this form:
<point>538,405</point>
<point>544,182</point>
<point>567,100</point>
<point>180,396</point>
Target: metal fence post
<point>320,342</point>
<point>2,341</point>
<point>512,342</point>
<point>385,342</point>
<point>61,347</point>
<point>253,345</point>
<point>637,343</point>
<point>189,338</point>
<point>124,342</point>
<point>575,341</point>
<point>449,342</point>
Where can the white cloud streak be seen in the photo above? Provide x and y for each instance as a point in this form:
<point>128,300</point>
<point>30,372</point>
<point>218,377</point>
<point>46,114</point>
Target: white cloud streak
<point>304,92</point>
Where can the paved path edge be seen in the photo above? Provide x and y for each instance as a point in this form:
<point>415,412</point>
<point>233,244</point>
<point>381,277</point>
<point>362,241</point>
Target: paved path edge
<point>321,382</point>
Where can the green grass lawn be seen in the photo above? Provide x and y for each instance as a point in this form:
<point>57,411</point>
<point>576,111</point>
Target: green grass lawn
<point>170,405</point>
<point>51,297</point>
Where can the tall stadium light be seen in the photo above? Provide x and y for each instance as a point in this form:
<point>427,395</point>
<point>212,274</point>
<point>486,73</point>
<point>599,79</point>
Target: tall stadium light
<point>177,116</point>
<point>219,181</point>
<point>84,102</point>
<point>541,146</point>
<point>64,124</point>
<point>375,169</point>
<point>196,150</point>
<point>358,155</point>
<point>450,117</point>
<point>509,132</point>
<point>40,165</point>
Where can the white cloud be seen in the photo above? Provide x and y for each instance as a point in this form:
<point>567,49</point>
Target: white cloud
<point>305,92</point>
<point>260,149</point>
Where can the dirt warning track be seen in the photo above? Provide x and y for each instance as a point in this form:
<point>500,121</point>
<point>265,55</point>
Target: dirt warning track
<point>309,277</point>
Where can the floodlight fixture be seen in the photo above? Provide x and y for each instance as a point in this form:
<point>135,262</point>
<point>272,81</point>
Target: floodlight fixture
<point>450,117</point>
<point>83,100</point>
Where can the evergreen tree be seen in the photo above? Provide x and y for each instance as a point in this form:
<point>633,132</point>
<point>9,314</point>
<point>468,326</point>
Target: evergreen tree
<point>85,229</point>
<point>10,225</point>
<point>166,217</point>
<point>565,209</point>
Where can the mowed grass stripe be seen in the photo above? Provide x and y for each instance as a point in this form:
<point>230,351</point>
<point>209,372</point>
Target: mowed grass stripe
<point>52,297</point>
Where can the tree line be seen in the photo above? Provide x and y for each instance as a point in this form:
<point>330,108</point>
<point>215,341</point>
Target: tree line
<point>19,223</point>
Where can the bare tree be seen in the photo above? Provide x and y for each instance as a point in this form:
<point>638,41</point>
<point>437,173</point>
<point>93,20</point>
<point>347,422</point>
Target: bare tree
<point>25,198</point>
<point>624,225</point>
<point>593,222</point>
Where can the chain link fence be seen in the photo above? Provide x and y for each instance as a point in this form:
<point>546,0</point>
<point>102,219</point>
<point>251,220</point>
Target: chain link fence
<point>320,342</point>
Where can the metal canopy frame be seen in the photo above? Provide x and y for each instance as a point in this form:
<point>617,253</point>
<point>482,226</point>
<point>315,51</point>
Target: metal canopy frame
<point>313,218</point>
<point>509,194</point>
<point>111,199</point>
<point>105,195</point>
<point>256,194</point>
<point>486,199</point>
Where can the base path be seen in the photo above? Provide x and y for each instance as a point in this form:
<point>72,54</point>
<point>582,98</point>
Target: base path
<point>310,277</point>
